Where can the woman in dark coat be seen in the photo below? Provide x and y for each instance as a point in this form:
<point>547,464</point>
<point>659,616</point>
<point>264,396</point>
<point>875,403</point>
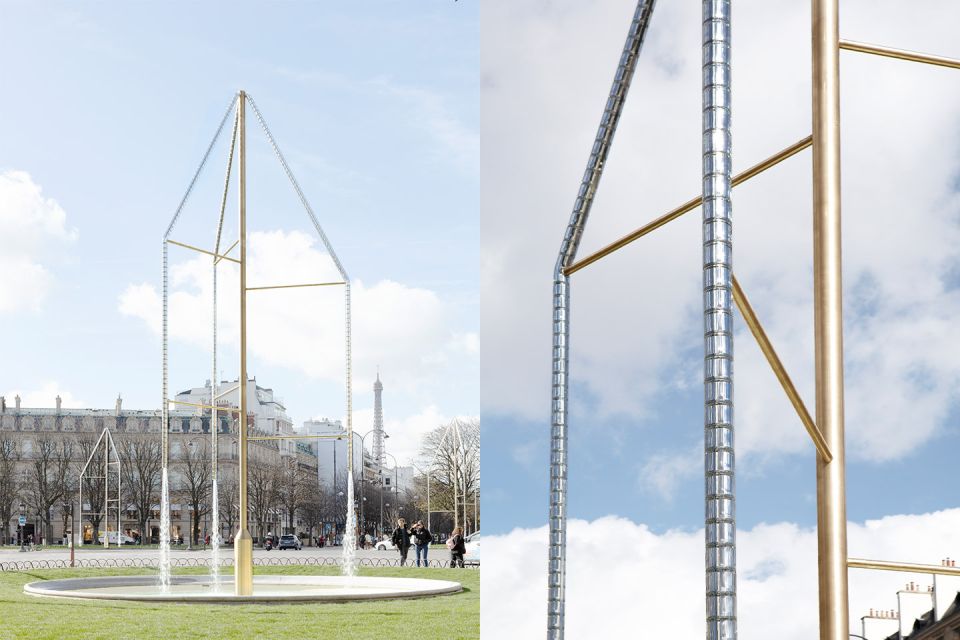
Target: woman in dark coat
<point>401,540</point>
<point>458,547</point>
<point>422,538</point>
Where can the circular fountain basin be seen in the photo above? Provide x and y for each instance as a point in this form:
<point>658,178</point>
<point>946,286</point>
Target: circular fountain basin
<point>266,589</point>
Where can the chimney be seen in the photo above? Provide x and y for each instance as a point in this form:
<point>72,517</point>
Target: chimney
<point>58,404</point>
<point>3,404</point>
<point>17,400</point>
<point>119,404</point>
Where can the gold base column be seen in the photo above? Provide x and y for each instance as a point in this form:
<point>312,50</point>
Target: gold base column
<point>243,563</point>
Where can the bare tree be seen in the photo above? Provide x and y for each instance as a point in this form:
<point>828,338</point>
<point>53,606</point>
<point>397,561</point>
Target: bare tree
<point>141,468</point>
<point>450,454</point>
<point>228,491</point>
<point>311,510</point>
<point>93,483</point>
<point>194,462</point>
<point>262,493</point>
<point>9,485</point>
<point>291,491</point>
<point>47,477</point>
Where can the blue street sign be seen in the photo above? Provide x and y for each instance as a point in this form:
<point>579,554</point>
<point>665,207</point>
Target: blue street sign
<point>22,520</point>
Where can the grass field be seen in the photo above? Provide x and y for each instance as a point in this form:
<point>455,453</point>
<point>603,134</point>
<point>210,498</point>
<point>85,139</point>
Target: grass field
<point>452,617</point>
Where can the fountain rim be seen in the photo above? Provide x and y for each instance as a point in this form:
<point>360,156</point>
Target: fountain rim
<point>74,588</point>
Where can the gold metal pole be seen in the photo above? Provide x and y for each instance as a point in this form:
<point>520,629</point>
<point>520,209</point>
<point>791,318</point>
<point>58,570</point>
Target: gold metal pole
<point>750,317</point>
<point>209,253</point>
<point>243,542</point>
<point>884,565</point>
<point>295,286</point>
<point>900,54</point>
<point>828,321</point>
<point>687,207</point>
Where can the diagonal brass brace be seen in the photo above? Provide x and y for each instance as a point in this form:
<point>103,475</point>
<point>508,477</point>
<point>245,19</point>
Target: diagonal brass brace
<point>757,330</point>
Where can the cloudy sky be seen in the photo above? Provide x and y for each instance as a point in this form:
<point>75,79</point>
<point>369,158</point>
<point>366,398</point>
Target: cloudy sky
<point>636,416</point>
<point>107,113</point>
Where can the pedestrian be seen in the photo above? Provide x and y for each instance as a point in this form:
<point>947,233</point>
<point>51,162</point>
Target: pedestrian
<point>422,539</point>
<point>457,547</point>
<point>401,540</point>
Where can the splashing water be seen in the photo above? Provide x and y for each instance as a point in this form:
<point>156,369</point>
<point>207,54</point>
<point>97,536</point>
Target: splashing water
<point>215,538</point>
<point>164,533</point>
<point>349,565</point>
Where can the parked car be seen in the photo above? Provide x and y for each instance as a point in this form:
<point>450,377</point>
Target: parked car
<point>289,541</point>
<point>386,544</point>
<point>112,538</point>
<point>473,548</point>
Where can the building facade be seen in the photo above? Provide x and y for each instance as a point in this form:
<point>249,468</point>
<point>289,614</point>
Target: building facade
<point>43,450</point>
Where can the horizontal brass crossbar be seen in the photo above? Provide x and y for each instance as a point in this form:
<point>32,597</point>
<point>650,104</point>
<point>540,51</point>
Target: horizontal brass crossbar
<point>295,286</point>
<point>204,406</point>
<point>316,437</point>
<point>209,253</point>
<point>750,317</point>
<point>884,565</point>
<point>900,54</point>
<point>687,207</point>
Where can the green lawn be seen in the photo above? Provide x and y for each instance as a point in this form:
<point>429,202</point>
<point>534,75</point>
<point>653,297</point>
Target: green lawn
<point>450,617</point>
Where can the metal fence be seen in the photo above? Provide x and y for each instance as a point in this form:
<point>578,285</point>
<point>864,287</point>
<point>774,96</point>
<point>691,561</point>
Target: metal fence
<point>153,563</point>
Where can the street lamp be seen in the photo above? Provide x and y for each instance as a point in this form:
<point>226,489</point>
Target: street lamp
<point>339,495</point>
<point>22,520</point>
<point>396,476</point>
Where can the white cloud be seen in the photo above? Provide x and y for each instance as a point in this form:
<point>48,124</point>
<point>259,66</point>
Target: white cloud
<point>662,473</point>
<point>33,231</point>
<point>45,397</point>
<point>623,576</point>
<point>404,330</point>
<point>636,315</point>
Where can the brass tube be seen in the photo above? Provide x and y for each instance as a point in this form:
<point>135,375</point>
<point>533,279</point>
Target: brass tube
<point>900,54</point>
<point>203,406</point>
<point>884,565</point>
<point>227,253</point>
<point>298,437</point>
<point>687,207</point>
<point>209,253</point>
<point>828,322</point>
<point>294,286</point>
<point>243,542</point>
<point>750,317</point>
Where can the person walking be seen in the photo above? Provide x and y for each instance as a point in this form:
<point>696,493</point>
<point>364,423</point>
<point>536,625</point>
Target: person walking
<point>457,547</point>
<point>401,540</point>
<point>422,539</point>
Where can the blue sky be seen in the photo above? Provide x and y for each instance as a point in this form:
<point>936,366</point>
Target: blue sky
<point>636,411</point>
<point>108,109</point>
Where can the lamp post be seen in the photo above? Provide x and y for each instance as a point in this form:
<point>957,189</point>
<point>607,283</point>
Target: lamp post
<point>363,523</point>
<point>21,521</point>
<point>339,510</point>
<point>396,476</point>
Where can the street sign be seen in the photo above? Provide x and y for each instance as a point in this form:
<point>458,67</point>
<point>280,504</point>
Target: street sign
<point>22,520</point>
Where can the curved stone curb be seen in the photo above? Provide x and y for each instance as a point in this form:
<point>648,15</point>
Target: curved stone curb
<point>350,589</point>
